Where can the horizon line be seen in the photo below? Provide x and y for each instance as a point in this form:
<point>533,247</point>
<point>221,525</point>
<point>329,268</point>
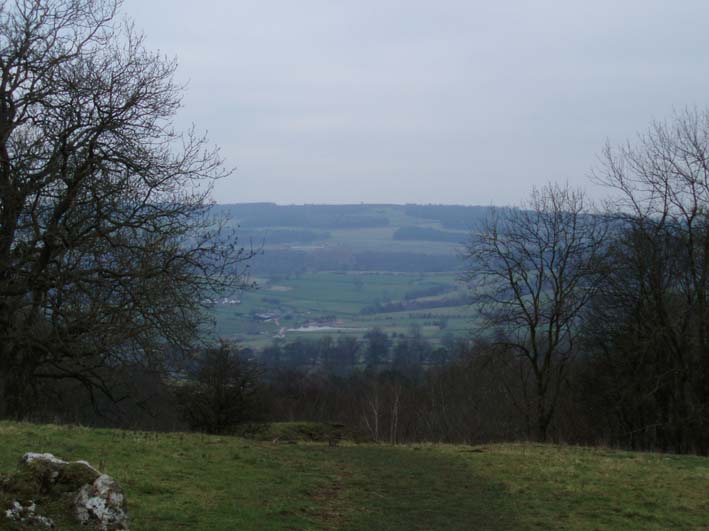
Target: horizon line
<point>362,203</point>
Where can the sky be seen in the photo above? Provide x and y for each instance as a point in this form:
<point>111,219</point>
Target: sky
<point>422,101</point>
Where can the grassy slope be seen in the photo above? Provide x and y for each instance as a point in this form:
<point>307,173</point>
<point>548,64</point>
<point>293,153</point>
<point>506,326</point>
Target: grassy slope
<point>178,481</point>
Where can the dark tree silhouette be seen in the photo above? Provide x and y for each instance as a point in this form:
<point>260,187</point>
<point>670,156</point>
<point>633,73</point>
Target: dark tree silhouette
<point>220,391</point>
<point>106,246</point>
<point>378,345</point>
<point>533,270</point>
<point>650,329</point>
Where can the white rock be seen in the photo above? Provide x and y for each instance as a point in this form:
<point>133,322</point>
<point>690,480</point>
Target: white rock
<point>43,521</point>
<point>32,456</point>
<point>103,503</point>
<point>26,515</point>
<point>99,505</point>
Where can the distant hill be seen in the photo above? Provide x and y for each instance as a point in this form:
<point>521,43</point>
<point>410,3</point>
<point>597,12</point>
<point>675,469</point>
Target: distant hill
<point>449,216</point>
<point>363,237</point>
<point>281,236</point>
<point>430,235</point>
<point>257,215</point>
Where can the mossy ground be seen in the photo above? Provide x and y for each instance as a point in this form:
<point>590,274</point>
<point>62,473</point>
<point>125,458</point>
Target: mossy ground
<point>191,481</point>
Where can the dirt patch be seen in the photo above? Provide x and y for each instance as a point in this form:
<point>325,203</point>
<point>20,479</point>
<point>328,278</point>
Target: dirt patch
<point>330,503</point>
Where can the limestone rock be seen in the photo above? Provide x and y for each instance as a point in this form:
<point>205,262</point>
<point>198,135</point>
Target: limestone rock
<point>102,503</point>
<point>26,515</point>
<point>42,473</point>
<point>42,480</point>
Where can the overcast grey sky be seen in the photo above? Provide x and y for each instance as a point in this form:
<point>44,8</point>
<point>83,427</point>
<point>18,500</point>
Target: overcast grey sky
<point>448,101</point>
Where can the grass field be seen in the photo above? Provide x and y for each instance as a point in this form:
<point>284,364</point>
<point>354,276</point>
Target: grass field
<point>190,481</point>
<point>338,298</point>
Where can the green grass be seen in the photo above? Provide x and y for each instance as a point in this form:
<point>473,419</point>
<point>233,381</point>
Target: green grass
<point>190,481</point>
<point>321,296</point>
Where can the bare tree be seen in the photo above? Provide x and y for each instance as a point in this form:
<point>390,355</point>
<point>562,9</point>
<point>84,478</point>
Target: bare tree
<point>106,246</point>
<point>533,269</point>
<point>654,311</point>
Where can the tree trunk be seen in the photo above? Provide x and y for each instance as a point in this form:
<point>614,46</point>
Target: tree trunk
<point>543,418</point>
<point>16,386</point>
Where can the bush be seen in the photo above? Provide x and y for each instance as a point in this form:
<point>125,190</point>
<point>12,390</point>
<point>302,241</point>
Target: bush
<point>221,391</point>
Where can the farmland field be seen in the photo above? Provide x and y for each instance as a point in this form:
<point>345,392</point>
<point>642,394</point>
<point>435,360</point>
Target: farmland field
<point>344,269</point>
<point>340,302</point>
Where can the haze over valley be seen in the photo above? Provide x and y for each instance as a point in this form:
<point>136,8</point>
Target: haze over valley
<point>344,269</point>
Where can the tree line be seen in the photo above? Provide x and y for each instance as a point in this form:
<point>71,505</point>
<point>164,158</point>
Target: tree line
<point>607,305</point>
<point>344,354</point>
<point>289,261</point>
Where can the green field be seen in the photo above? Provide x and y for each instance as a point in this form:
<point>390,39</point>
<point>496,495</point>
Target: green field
<point>191,481</point>
<point>336,300</point>
<point>341,260</point>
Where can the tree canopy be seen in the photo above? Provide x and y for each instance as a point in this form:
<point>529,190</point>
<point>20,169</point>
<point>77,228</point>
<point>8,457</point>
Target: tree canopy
<point>106,242</point>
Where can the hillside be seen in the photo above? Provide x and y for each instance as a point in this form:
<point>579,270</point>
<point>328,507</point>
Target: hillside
<point>346,268</point>
<point>397,238</point>
<point>192,481</point>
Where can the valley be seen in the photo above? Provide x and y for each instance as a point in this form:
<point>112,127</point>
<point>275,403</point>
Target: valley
<point>345,269</point>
